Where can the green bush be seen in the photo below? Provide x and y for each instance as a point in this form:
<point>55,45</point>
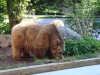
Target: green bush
<point>5,28</point>
<point>87,45</point>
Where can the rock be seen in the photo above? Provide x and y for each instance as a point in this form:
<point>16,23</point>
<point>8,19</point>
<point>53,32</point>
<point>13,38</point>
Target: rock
<point>5,40</point>
<point>67,33</point>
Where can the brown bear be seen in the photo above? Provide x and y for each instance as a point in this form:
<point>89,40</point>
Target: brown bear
<point>42,40</point>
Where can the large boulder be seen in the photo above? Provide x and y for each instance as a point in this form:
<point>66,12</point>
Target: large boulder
<point>5,40</point>
<point>65,32</point>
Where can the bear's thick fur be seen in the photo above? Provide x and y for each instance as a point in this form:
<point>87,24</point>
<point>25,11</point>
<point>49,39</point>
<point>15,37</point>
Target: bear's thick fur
<point>42,40</point>
<point>58,23</point>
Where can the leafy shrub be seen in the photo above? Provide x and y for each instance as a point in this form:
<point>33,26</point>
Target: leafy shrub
<point>87,45</point>
<point>5,28</point>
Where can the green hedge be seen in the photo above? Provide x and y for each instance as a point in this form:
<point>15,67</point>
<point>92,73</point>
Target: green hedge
<point>87,45</point>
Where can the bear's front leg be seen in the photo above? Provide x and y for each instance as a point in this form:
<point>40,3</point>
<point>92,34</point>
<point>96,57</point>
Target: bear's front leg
<point>39,53</point>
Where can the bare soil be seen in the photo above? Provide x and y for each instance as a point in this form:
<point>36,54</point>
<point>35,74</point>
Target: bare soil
<point>7,60</point>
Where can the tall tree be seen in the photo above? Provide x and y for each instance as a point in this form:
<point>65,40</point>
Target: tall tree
<point>15,9</point>
<point>82,20</point>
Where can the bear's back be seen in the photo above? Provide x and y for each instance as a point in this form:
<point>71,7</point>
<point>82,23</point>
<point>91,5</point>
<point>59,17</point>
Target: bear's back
<point>24,35</point>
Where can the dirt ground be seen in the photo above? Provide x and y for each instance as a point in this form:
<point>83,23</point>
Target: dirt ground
<point>7,60</point>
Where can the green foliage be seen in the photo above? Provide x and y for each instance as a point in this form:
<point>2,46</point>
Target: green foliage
<point>39,61</point>
<point>2,6</point>
<point>2,58</point>
<point>5,28</point>
<point>14,10</point>
<point>18,8</point>
<point>18,65</point>
<point>13,66</point>
<point>96,23</point>
<point>87,45</point>
<point>3,67</point>
<point>45,6</point>
<point>87,55</point>
<point>81,20</point>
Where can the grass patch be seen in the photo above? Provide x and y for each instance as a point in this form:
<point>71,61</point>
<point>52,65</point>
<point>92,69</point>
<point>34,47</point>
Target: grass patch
<point>87,55</point>
<point>46,61</point>
<point>3,67</point>
<point>13,66</point>
<point>39,61</point>
<point>18,65</point>
<point>2,58</point>
<point>67,58</point>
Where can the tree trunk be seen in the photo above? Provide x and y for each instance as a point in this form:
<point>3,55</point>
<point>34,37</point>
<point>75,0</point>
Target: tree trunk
<point>13,12</point>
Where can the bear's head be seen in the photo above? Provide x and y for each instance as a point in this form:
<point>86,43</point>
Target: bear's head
<point>57,49</point>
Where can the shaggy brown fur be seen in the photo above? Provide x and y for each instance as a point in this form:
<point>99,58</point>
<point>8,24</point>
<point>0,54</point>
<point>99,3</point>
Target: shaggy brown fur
<point>58,23</point>
<point>42,40</point>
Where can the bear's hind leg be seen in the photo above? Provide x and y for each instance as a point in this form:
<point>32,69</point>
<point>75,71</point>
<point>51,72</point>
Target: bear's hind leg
<point>16,54</point>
